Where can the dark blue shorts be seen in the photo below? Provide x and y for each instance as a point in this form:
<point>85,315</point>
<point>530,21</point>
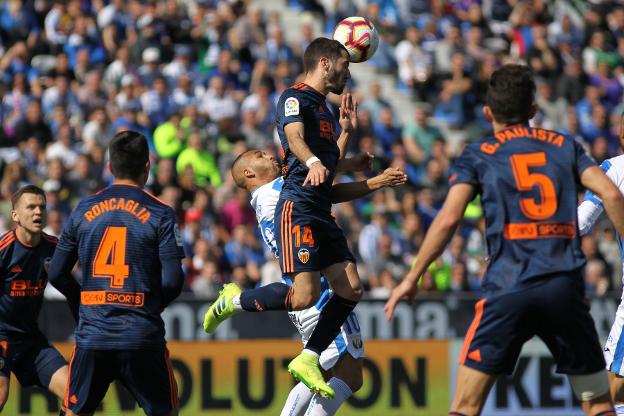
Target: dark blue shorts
<point>147,374</point>
<point>553,308</point>
<point>33,361</point>
<point>308,239</point>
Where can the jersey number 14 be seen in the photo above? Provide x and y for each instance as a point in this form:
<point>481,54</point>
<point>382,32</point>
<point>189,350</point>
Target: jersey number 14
<point>110,259</point>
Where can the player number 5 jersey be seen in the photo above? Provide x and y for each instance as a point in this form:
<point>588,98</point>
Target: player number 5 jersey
<point>528,180</point>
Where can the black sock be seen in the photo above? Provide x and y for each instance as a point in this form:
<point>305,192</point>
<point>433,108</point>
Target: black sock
<point>266,298</point>
<point>328,326</point>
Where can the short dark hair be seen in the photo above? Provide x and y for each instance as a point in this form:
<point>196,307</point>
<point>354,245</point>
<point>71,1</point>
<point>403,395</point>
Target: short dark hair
<point>237,173</point>
<point>28,189</point>
<point>128,153</point>
<point>511,94</point>
<point>322,47</point>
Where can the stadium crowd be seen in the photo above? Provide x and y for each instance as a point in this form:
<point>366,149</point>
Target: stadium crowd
<point>200,78</point>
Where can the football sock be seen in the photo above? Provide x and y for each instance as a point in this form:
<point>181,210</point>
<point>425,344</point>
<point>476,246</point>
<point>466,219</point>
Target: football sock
<point>297,401</point>
<point>325,407</point>
<point>271,297</point>
<point>330,320</point>
<point>619,409</point>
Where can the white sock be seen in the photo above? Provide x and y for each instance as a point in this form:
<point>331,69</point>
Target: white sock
<point>324,407</point>
<point>619,409</point>
<point>236,303</point>
<point>310,352</point>
<point>297,401</point>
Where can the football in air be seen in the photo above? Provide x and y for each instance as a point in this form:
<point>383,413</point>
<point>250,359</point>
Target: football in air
<point>359,36</point>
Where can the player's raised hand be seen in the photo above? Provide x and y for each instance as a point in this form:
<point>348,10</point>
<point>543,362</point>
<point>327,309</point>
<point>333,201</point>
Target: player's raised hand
<point>348,113</point>
<point>406,289</point>
<point>317,174</point>
<point>392,177</point>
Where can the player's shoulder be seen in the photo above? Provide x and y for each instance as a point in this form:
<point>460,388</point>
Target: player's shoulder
<point>264,199</point>
<point>7,240</point>
<point>615,163</point>
<point>49,239</point>
<point>297,92</point>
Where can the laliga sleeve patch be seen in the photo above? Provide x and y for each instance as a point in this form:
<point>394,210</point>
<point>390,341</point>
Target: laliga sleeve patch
<point>291,107</point>
<point>178,236</point>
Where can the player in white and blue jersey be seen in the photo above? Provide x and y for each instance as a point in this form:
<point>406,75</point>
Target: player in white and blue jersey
<point>588,212</point>
<point>259,173</point>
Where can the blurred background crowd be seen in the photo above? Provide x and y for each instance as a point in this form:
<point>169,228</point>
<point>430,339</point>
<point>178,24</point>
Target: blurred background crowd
<point>200,78</point>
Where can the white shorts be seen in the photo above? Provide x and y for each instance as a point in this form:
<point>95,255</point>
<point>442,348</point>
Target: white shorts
<point>349,340</point>
<point>614,347</point>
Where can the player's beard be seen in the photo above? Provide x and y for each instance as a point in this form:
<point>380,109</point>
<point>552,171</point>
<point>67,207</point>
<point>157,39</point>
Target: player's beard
<point>336,81</point>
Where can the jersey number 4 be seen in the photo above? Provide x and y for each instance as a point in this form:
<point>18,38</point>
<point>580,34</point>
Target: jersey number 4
<point>110,259</point>
<point>526,181</point>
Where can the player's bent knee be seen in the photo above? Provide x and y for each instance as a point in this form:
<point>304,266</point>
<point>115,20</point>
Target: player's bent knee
<point>355,381</point>
<point>301,301</point>
<point>588,387</point>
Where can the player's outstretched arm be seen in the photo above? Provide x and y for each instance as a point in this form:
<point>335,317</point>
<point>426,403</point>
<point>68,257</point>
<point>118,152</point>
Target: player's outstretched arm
<point>588,212</point>
<point>59,276</point>
<point>343,192</point>
<point>294,135</point>
<point>358,163</point>
<point>597,181</point>
<point>439,234</point>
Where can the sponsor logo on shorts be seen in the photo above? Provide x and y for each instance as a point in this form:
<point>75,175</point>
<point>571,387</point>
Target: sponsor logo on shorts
<point>73,399</point>
<point>291,107</point>
<point>304,255</point>
<point>105,297</point>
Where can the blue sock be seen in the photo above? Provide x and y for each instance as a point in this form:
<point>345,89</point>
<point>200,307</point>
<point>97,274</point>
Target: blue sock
<point>619,409</point>
<point>273,297</point>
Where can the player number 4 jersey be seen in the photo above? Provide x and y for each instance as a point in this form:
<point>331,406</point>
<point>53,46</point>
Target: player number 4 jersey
<point>121,235</point>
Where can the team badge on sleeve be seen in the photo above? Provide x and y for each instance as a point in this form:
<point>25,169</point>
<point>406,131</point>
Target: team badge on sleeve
<point>291,107</point>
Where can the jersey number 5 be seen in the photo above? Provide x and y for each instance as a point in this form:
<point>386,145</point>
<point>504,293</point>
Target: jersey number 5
<point>526,181</point>
<point>110,259</point>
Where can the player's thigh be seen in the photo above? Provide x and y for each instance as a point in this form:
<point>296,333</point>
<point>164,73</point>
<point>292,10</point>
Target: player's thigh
<point>304,291</point>
<point>36,362</point>
<point>471,390</point>
<point>344,280</point>
<point>566,326</point>
<point>90,375</point>
<point>58,382</point>
<point>148,376</point>
<point>5,382</point>
<point>501,325</point>
<point>297,237</point>
<point>614,346</point>
<point>616,387</point>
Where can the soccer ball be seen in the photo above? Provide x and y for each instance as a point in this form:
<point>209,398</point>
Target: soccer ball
<point>359,36</point>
